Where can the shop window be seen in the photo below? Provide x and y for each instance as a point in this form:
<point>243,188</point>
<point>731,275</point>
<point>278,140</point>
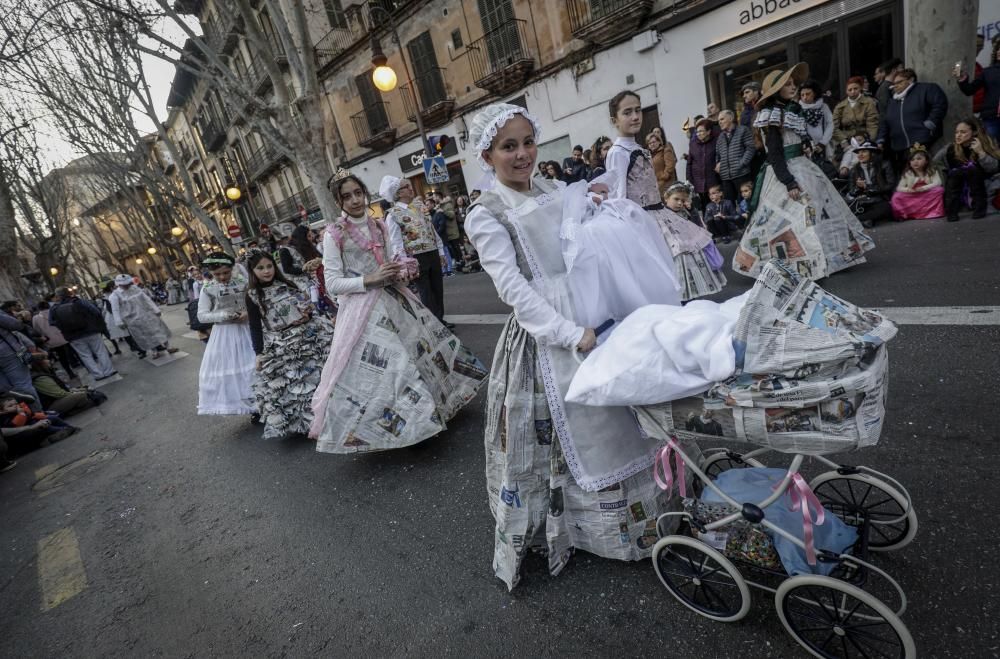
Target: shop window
<point>728,80</point>
<point>821,52</point>
<point>869,43</point>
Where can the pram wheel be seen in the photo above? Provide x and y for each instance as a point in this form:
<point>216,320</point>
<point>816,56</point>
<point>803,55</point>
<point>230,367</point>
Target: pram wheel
<point>851,497</point>
<point>721,461</point>
<point>701,578</point>
<point>833,619</point>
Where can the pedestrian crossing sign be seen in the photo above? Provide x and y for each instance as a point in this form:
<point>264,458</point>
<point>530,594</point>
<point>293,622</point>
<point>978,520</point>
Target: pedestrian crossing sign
<point>435,170</point>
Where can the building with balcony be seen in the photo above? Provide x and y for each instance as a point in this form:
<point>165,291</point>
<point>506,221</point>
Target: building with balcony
<point>561,59</point>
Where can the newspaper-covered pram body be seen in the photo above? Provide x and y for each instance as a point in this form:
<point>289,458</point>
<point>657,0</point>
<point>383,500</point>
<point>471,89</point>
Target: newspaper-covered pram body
<point>811,375</point>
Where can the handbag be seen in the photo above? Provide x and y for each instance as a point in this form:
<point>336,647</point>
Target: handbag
<point>23,354</point>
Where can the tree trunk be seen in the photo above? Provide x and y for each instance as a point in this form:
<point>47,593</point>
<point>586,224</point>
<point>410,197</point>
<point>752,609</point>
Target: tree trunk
<point>11,284</point>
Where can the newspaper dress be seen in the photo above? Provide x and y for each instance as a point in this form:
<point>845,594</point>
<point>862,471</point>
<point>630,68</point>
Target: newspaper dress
<point>114,331</point>
<point>140,316</point>
<point>559,476</point>
<point>292,344</point>
<point>395,375</point>
<point>227,370</point>
<point>817,235</point>
<point>637,182</point>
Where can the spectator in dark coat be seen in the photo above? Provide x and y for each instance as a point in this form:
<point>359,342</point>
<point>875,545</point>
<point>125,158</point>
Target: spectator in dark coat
<point>872,183</point>
<point>575,167</point>
<point>734,149</point>
<point>915,115</point>
<point>702,159</point>
<point>988,81</point>
<point>83,326</point>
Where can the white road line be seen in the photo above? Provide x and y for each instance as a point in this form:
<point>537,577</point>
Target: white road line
<point>899,315</point>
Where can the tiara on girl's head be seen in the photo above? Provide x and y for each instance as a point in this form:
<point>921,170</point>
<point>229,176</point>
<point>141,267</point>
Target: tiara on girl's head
<point>257,251</point>
<point>338,175</point>
<point>917,148</point>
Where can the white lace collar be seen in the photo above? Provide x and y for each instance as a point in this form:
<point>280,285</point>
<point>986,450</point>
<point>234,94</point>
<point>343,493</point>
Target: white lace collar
<point>627,143</point>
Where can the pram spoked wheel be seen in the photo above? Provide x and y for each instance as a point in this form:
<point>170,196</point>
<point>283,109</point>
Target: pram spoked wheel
<point>858,495</point>
<point>720,461</point>
<point>701,578</point>
<point>834,619</point>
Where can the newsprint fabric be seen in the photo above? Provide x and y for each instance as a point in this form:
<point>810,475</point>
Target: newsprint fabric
<point>817,235</point>
<point>812,374</point>
<point>408,375</point>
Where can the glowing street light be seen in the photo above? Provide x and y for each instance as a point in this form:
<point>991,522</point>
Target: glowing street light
<point>53,271</point>
<point>176,232</point>
<point>151,250</point>
<point>233,193</point>
<point>138,261</point>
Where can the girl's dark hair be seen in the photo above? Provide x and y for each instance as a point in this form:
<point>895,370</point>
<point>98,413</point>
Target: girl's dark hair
<point>300,241</point>
<point>336,185</point>
<point>254,284</point>
<point>814,86</point>
<point>617,99</point>
<point>595,151</point>
<point>217,260</point>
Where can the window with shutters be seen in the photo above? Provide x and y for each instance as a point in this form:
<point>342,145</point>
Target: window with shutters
<point>427,74</point>
<point>501,31</point>
<point>371,101</point>
<point>335,14</point>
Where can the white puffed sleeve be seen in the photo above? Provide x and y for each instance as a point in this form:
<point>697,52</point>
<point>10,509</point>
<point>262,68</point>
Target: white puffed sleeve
<point>616,163</point>
<point>333,270</point>
<point>396,245</point>
<point>498,258</point>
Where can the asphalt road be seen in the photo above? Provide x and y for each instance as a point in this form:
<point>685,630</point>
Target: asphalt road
<point>196,538</point>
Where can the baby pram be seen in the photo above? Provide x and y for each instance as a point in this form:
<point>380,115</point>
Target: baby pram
<point>811,380</point>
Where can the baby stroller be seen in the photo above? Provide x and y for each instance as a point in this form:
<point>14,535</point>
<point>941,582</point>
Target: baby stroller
<point>811,380</point>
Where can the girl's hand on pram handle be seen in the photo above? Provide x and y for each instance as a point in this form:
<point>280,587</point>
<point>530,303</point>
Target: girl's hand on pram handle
<point>588,341</point>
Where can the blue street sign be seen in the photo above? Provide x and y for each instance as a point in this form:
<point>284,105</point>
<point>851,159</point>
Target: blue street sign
<point>435,170</point>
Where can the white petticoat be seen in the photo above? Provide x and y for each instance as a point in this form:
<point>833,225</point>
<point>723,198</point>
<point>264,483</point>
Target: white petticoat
<point>227,371</point>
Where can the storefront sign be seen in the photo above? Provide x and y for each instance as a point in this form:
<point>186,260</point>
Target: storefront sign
<point>415,161</point>
<point>748,15</point>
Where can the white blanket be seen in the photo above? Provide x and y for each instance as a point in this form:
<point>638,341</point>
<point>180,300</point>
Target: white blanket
<point>660,353</point>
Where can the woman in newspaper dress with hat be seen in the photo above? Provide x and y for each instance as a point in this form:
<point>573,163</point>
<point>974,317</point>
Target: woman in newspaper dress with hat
<point>226,375</point>
<point>559,476</point>
<point>395,374</point>
<point>798,216</point>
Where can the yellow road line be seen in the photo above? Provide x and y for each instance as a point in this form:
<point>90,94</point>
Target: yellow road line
<point>42,472</point>
<point>60,568</point>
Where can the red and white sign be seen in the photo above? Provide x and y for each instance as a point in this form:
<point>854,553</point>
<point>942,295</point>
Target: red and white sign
<point>234,231</point>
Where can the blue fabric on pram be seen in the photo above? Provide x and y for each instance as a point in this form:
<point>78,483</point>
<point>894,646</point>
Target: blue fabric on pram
<point>753,485</point>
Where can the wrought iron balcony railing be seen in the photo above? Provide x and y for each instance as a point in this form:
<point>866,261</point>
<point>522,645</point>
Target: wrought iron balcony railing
<point>435,103</point>
<point>372,127</point>
<point>500,59</point>
<point>604,21</point>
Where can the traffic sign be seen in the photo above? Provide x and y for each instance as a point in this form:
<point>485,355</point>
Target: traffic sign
<point>435,170</point>
<point>234,231</point>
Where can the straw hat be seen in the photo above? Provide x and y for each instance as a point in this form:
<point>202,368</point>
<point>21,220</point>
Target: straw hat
<point>775,80</point>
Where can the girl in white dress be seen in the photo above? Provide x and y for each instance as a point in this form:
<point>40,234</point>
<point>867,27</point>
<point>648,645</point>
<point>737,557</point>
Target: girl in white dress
<point>225,380</point>
<point>559,476</point>
<point>692,246</point>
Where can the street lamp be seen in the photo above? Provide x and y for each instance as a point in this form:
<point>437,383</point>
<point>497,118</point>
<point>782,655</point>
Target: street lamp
<point>138,261</point>
<point>233,193</point>
<point>384,78</point>
<point>151,250</point>
<point>53,271</point>
<point>176,232</point>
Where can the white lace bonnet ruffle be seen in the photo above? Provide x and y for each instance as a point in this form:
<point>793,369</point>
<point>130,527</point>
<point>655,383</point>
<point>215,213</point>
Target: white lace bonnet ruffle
<point>124,280</point>
<point>487,123</point>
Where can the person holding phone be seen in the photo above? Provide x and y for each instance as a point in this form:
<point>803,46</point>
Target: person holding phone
<point>987,80</point>
<point>967,162</point>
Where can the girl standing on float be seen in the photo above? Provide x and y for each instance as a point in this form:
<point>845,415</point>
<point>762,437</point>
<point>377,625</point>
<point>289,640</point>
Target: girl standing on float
<point>227,368</point>
<point>395,375</point>
<point>559,476</point>
<point>691,245</point>
<point>797,216</point>
<point>290,342</point>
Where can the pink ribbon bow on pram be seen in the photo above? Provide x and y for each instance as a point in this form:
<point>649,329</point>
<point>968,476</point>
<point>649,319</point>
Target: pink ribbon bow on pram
<point>662,463</point>
<point>802,498</point>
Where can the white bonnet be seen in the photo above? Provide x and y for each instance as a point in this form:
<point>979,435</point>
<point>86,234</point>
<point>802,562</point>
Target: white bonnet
<point>124,280</point>
<point>388,187</point>
<point>489,121</point>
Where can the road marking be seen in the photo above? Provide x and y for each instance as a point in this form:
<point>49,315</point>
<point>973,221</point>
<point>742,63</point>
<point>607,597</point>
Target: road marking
<point>942,315</point>
<point>60,568</point>
<point>42,472</point>
<point>899,315</point>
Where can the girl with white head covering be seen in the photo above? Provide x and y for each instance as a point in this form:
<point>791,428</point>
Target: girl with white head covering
<point>554,467</point>
<point>395,375</point>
